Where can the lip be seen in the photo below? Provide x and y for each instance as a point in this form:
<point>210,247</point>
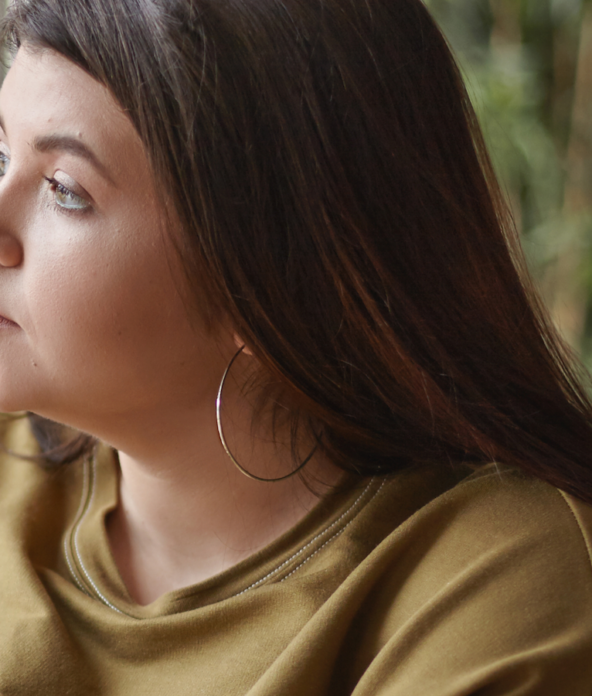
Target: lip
<point>7,323</point>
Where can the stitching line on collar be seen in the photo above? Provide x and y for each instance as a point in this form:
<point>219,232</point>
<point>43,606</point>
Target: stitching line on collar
<point>325,531</point>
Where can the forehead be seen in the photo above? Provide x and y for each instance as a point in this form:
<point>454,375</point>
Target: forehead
<point>44,93</point>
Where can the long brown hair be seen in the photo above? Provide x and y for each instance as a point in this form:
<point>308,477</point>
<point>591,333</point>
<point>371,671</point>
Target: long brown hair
<point>338,205</point>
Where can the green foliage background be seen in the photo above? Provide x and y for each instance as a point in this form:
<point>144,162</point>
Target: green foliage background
<point>528,64</point>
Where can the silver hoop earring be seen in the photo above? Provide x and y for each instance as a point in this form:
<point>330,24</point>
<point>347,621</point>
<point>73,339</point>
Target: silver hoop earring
<point>223,439</point>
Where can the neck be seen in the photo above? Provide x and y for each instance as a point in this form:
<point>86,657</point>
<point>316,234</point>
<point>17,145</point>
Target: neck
<point>185,511</point>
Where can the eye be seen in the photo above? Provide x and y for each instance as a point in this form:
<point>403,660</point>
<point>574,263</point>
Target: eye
<point>4,162</point>
<point>65,198</point>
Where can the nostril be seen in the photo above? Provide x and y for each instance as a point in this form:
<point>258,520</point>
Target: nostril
<point>11,252</point>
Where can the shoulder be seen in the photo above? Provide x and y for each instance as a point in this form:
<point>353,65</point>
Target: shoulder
<point>488,586</point>
<point>30,492</point>
<point>495,512</point>
<point>505,523</point>
<point>17,446</point>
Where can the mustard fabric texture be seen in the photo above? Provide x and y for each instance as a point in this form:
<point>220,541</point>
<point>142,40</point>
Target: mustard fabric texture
<point>437,581</point>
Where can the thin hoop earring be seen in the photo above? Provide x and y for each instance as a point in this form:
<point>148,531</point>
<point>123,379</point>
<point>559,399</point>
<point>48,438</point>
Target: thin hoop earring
<point>223,439</point>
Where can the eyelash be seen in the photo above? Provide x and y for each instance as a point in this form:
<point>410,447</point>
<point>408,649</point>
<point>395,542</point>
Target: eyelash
<point>56,186</point>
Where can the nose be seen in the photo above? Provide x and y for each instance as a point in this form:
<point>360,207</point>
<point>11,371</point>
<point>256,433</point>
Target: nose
<point>11,248</point>
<point>11,251</point>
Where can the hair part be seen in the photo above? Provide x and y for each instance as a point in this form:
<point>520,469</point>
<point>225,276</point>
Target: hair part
<point>338,205</point>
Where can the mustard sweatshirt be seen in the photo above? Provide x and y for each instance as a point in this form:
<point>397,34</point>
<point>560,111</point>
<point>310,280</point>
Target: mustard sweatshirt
<point>433,582</point>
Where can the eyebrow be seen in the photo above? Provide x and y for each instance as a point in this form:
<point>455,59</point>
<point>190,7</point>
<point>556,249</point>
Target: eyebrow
<point>67,143</point>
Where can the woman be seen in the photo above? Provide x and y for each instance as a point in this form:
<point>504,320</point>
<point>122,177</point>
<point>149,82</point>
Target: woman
<point>256,253</point>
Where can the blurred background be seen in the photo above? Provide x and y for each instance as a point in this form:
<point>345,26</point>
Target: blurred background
<point>528,65</point>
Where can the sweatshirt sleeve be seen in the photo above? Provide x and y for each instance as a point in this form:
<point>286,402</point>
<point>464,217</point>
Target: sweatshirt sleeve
<point>494,599</point>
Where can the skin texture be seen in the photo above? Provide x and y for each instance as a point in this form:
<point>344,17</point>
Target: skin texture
<point>99,336</point>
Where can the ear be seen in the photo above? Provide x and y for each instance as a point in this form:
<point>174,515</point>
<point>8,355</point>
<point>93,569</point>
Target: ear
<point>239,343</point>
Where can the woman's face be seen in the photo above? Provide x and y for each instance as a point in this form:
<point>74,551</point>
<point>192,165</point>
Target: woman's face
<point>94,322</point>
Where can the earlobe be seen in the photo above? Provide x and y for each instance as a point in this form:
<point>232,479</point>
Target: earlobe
<point>240,343</point>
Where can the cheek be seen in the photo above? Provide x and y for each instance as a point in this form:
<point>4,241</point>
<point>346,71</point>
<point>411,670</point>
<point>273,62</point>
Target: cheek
<point>69,296</point>
<point>104,307</point>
